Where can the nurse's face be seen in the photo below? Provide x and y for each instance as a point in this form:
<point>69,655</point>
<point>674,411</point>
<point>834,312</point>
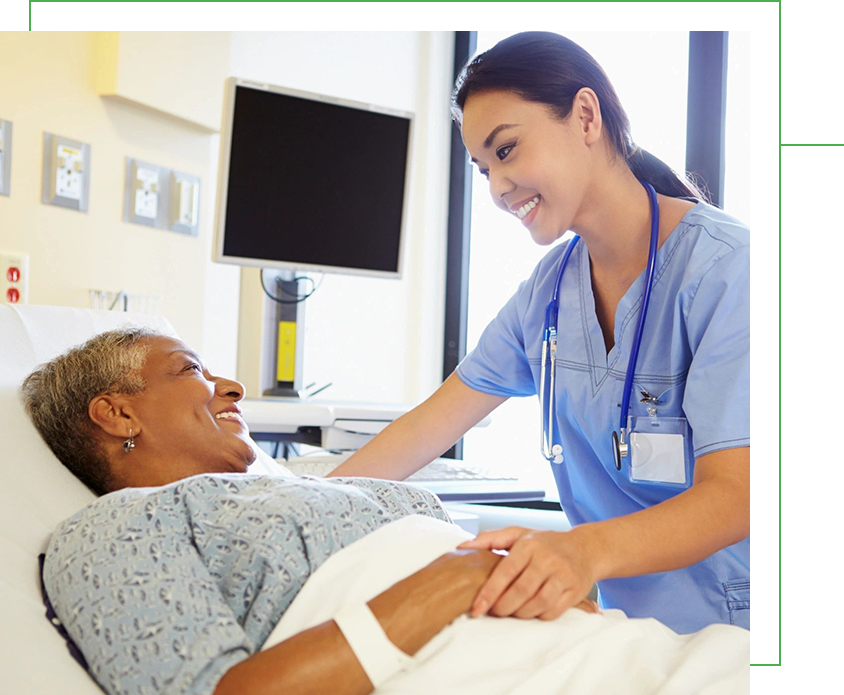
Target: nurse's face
<point>529,154</point>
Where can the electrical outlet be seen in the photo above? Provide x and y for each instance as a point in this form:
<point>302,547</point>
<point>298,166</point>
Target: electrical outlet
<point>184,203</point>
<point>14,277</point>
<point>5,156</point>
<point>67,172</point>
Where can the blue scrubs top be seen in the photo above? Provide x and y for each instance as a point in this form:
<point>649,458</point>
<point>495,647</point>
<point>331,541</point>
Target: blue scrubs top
<point>695,356</point>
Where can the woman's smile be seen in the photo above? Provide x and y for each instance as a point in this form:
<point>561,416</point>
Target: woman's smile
<point>230,416</point>
<point>529,211</point>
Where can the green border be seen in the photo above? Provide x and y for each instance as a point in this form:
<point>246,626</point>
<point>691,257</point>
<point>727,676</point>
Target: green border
<point>809,132</point>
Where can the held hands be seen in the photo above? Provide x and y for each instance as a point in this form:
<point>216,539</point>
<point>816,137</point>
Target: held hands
<point>545,573</point>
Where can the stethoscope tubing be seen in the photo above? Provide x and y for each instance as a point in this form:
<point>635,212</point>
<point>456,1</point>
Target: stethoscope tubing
<point>549,337</point>
<point>549,352</point>
<point>552,310</point>
<point>649,281</point>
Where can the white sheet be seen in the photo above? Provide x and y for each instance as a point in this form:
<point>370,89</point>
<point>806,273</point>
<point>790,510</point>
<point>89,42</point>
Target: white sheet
<point>577,654</point>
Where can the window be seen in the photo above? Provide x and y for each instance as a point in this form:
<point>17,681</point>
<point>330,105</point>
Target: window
<point>502,253</point>
<point>751,171</point>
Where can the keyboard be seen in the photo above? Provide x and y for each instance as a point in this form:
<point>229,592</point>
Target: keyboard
<point>455,482</point>
<point>321,465</point>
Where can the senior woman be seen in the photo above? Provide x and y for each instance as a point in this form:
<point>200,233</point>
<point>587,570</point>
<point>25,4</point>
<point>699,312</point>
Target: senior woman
<point>172,580</point>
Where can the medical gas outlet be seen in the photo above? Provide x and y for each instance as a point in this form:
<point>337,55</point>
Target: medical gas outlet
<point>159,197</point>
<point>5,156</point>
<point>184,207</point>
<point>14,277</point>
<point>66,178</point>
<point>145,193</point>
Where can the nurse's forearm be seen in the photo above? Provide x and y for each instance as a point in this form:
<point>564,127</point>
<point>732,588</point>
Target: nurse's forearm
<point>419,436</point>
<point>712,514</point>
<point>399,450</point>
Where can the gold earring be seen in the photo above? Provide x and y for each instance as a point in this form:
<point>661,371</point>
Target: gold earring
<point>129,444</point>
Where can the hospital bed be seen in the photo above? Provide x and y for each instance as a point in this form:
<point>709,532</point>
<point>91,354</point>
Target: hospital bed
<point>38,492</point>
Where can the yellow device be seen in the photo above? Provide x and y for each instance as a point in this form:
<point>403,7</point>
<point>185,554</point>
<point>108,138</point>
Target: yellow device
<point>286,351</point>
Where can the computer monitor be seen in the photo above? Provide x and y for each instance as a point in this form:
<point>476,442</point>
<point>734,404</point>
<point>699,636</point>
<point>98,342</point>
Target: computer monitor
<point>311,183</point>
<point>307,182</point>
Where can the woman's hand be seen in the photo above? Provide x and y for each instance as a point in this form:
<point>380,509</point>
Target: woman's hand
<point>545,573</point>
<point>475,563</point>
<point>410,612</point>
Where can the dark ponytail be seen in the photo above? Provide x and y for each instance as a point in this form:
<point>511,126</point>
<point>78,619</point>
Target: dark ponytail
<point>550,69</point>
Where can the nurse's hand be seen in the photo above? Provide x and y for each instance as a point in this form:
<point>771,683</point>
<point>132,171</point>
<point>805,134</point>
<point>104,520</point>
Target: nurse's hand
<point>545,573</point>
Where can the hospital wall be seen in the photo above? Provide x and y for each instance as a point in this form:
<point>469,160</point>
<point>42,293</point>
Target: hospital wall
<point>375,339</point>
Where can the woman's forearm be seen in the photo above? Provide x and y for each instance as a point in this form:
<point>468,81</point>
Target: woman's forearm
<point>411,612</point>
<point>712,514</point>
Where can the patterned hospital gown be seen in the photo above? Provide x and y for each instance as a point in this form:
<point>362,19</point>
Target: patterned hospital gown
<point>165,589</point>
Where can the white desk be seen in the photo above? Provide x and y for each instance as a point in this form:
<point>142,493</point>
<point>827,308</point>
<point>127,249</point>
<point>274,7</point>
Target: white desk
<point>287,415</point>
<point>348,426</point>
<point>343,424</point>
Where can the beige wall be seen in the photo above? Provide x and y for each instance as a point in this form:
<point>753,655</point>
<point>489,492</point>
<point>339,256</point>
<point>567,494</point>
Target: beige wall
<point>48,84</point>
<point>176,73</point>
<point>375,339</point>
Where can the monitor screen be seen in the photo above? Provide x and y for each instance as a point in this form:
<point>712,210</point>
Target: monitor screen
<point>310,182</point>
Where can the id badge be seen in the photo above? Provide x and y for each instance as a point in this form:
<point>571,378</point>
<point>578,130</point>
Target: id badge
<point>659,451</point>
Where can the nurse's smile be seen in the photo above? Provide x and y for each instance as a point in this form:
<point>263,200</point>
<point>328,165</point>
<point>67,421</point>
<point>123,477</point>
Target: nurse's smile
<point>529,216</point>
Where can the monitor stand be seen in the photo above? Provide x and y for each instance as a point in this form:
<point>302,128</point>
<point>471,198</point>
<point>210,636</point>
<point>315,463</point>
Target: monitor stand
<point>284,334</point>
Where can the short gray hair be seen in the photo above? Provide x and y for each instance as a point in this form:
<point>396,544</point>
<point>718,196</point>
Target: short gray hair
<point>57,395</point>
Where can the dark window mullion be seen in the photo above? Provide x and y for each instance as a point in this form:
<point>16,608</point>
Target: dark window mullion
<point>707,110</point>
<point>459,224</point>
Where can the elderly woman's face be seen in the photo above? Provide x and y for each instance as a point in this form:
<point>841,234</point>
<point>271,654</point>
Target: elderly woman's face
<point>188,420</point>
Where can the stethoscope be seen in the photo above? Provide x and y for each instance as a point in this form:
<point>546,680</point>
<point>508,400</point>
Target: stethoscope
<point>554,452</point>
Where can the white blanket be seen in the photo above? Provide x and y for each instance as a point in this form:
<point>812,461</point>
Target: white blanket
<point>578,654</point>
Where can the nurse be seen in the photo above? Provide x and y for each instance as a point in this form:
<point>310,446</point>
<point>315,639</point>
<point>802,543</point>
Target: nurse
<point>543,124</point>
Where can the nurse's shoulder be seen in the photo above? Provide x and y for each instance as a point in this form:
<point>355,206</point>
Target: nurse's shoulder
<point>711,241</point>
<point>715,231</point>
